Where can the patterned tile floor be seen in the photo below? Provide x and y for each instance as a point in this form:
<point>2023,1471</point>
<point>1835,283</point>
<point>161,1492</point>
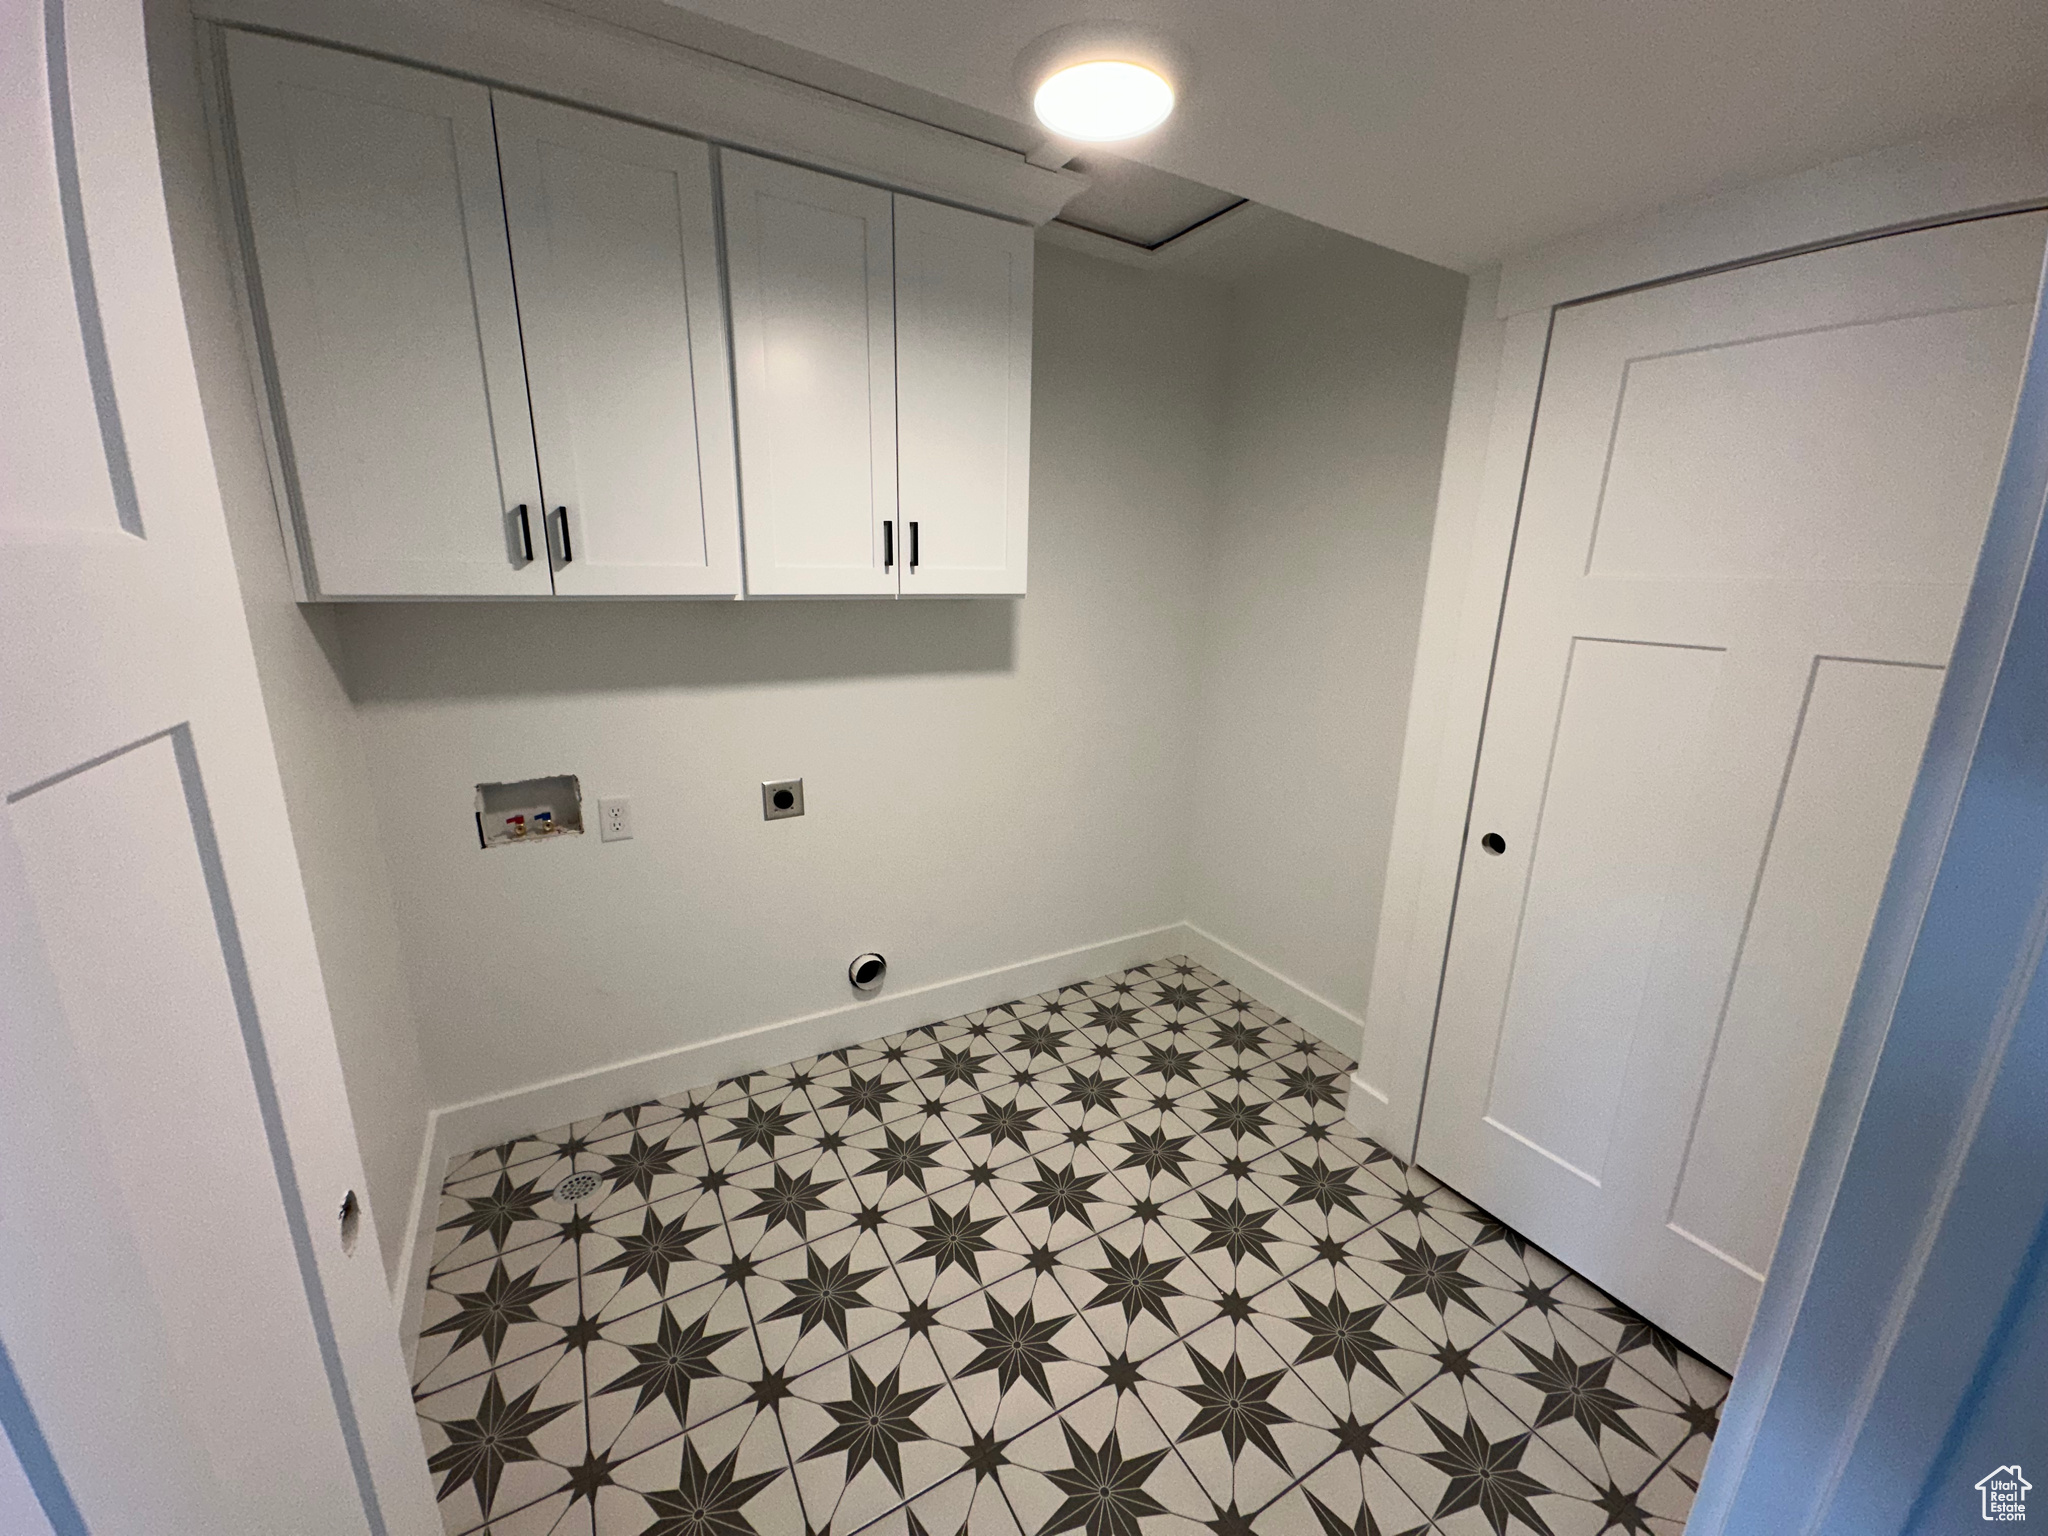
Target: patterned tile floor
<point>1107,1260</point>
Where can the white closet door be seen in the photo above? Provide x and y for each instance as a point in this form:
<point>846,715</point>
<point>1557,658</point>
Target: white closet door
<point>963,399</point>
<point>1753,506</point>
<point>385,289</point>
<point>615,246</point>
<point>814,360</point>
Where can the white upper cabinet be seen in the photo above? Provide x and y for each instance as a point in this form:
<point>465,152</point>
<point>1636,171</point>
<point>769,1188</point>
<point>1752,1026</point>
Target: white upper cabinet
<point>882,357</point>
<point>814,363</point>
<point>384,287</point>
<point>500,359</point>
<point>963,399</point>
<point>615,247</point>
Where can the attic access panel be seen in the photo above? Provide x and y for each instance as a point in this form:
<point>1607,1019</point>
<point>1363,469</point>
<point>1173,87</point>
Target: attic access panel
<point>1140,204</point>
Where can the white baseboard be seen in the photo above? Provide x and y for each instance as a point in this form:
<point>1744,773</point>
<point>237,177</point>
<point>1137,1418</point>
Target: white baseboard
<point>1366,1105</point>
<point>456,1129</point>
<point>418,1253</point>
<point>460,1128</point>
<point>1334,1026</point>
<point>1366,1108</point>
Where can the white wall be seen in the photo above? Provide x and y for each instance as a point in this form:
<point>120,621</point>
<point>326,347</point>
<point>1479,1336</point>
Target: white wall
<point>1340,358</point>
<point>986,781</point>
<point>1232,467</point>
<point>312,722</point>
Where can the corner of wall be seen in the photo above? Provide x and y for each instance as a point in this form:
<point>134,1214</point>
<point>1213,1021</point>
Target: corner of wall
<point>1342,362</point>
<point>455,1129</point>
<point>1329,1022</point>
<point>1400,1007</point>
<point>298,657</point>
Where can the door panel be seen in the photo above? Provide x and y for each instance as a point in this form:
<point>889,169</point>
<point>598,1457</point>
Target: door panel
<point>1739,502</point>
<point>117,870</point>
<point>1621,770</point>
<point>615,246</point>
<point>90,1401</point>
<point>1862,723</point>
<point>384,288</point>
<point>1781,474</point>
<point>963,392</point>
<point>813,321</point>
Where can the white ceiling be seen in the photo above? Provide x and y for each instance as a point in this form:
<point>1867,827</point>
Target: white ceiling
<point>1461,130</point>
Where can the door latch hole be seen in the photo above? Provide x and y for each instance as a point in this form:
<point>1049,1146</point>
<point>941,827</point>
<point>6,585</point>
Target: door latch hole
<point>1493,842</point>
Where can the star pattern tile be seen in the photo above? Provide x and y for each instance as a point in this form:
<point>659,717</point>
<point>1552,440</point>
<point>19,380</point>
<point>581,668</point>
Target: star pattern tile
<point>1106,1260</point>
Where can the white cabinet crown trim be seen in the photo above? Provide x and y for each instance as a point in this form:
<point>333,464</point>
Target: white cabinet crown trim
<point>546,50</point>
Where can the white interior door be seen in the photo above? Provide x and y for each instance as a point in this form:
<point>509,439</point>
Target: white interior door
<point>963,399</point>
<point>1752,508</point>
<point>189,1340</point>
<point>615,246</point>
<point>383,286</point>
<point>814,361</point>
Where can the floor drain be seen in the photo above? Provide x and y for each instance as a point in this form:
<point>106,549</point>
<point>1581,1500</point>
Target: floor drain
<point>578,1186</point>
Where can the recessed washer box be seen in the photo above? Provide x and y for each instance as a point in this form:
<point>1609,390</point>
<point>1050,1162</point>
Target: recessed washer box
<point>529,811</point>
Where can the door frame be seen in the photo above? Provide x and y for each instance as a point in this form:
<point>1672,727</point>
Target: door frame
<point>1980,172</point>
<point>1987,170</point>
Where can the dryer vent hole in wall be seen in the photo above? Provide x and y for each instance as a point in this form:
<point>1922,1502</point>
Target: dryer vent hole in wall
<point>351,1223</point>
<point>866,972</point>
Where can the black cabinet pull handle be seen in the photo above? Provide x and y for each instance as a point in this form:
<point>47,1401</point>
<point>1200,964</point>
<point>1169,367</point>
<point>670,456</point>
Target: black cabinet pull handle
<point>888,544</point>
<point>913,546</point>
<point>562,515</point>
<point>525,535</point>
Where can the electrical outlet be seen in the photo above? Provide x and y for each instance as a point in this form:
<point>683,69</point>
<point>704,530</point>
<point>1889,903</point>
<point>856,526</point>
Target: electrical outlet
<point>614,819</point>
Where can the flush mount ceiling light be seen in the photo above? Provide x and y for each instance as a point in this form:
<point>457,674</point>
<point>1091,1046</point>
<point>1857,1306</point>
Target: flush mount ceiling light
<point>1103,100</point>
<point>1099,82</point>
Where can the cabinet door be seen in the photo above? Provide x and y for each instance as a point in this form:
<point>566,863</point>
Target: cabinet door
<point>814,364</point>
<point>383,288</point>
<point>963,399</point>
<point>615,246</point>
